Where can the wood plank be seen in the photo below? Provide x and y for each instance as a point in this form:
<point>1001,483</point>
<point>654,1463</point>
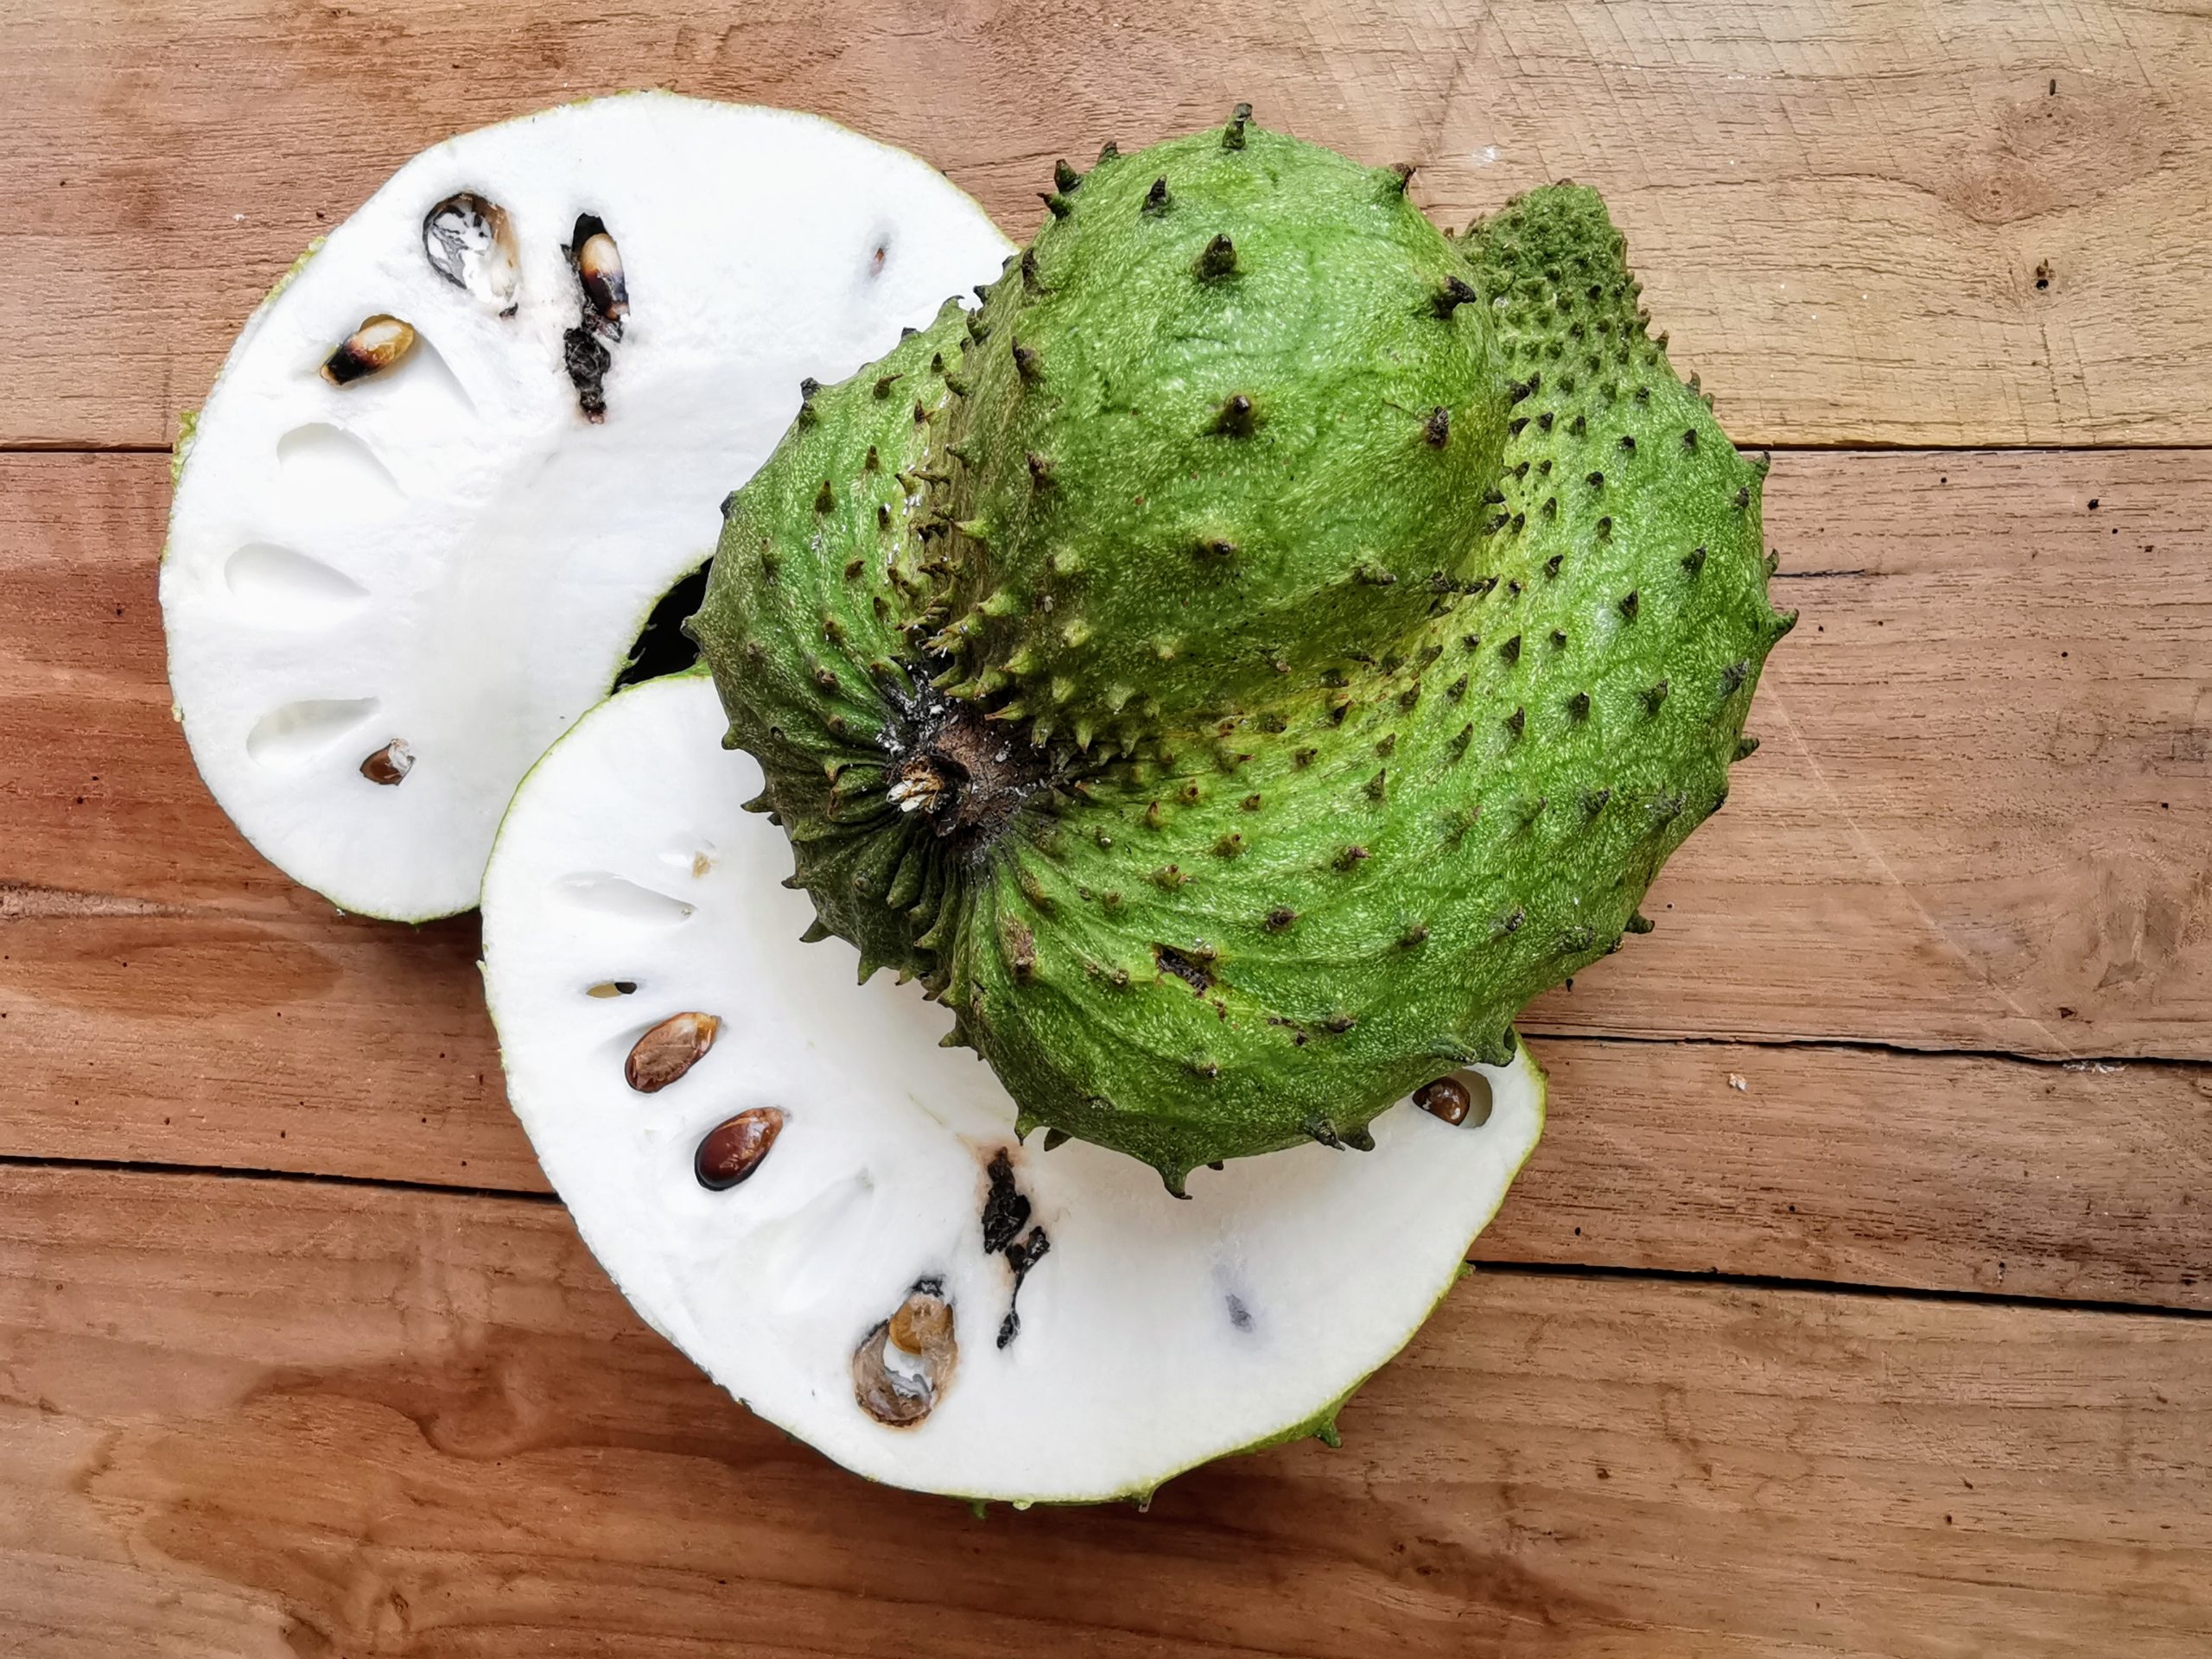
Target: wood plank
<point>1910,859</point>
<point>252,1418</point>
<point>348,1048</point>
<point>1876,222</point>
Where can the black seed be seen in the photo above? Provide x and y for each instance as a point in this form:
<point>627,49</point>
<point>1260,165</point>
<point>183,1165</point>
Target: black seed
<point>1437,429</point>
<point>1006,1212</point>
<point>1155,200</point>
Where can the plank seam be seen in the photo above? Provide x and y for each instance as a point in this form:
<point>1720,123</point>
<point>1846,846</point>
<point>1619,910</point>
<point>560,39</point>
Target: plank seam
<point>237,1171</point>
<point>1764,1282</point>
<point>1836,1286</point>
<point>2098,1064</point>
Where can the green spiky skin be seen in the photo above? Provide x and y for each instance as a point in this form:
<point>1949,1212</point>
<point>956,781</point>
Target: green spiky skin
<point>1224,424</point>
<point>1236,933</point>
<point>825,560</point>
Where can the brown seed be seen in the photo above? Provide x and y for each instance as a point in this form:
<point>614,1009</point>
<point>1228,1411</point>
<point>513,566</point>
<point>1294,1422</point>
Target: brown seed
<point>736,1146</point>
<point>378,343</point>
<point>599,266</point>
<point>903,1364</point>
<point>669,1050</point>
<point>388,764</point>
<point>1446,1097</point>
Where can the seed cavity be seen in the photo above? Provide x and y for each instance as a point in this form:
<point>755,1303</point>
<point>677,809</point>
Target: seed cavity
<point>669,1050</point>
<point>277,586</point>
<point>390,763</point>
<point>735,1147</point>
<point>905,1364</point>
<point>380,343</point>
<point>293,735</point>
<point>609,988</point>
<point>326,468</point>
<point>470,242</point>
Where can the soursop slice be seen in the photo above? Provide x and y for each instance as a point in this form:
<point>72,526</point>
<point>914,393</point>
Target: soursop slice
<point>453,460</point>
<point>1266,927</point>
<point>785,1173</point>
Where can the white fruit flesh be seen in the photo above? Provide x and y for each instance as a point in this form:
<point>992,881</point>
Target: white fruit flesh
<point>446,552</point>
<point>627,887</point>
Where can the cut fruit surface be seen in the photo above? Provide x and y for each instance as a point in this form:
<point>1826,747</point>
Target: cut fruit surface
<point>829,1212</point>
<point>455,457</point>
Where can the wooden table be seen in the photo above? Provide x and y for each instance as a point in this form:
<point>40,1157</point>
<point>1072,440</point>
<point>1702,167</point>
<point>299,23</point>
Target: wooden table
<point>1856,1302</point>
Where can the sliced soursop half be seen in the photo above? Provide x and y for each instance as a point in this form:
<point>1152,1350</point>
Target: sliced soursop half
<point>792,1179</point>
<point>458,454</point>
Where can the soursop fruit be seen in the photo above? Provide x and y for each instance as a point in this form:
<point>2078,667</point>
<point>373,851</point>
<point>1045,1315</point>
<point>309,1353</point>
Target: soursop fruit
<point>1267,644</point>
<point>454,460</point>
<point>829,1213</point>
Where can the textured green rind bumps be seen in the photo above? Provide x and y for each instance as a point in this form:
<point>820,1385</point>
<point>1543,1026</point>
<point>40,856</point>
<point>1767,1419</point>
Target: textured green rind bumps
<point>1228,415</point>
<point>1270,923</point>
<point>821,565</point>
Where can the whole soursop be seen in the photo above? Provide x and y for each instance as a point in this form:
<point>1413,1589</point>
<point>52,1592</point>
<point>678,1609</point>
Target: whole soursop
<point>1262,649</point>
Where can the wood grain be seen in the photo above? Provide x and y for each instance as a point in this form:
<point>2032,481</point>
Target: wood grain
<point>251,1418</point>
<point>1871,222</point>
<point>342,1048</point>
<point>1981,819</point>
